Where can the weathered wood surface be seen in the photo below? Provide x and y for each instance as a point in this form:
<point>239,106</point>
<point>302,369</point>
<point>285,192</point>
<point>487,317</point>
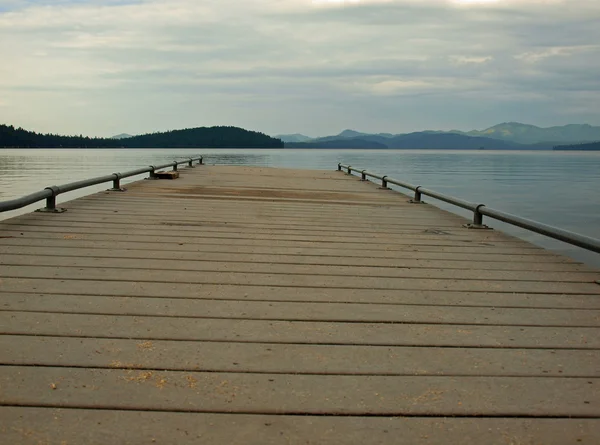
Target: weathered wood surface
<point>266,306</point>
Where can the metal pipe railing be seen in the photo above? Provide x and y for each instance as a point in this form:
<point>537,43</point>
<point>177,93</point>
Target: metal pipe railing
<point>50,193</point>
<point>479,210</point>
<point>566,236</point>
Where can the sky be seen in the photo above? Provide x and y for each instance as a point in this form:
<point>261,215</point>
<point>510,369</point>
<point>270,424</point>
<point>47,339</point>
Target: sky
<point>316,67</point>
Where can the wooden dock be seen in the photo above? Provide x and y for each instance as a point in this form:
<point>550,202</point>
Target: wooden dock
<point>241,305</point>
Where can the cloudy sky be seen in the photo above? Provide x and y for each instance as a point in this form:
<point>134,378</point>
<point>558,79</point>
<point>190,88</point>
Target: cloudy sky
<point>281,66</point>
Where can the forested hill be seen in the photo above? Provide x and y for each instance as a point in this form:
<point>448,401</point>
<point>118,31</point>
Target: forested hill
<point>203,137</point>
<point>592,146</point>
<point>18,138</point>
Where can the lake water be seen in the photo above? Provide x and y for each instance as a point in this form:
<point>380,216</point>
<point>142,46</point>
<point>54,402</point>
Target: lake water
<point>557,188</point>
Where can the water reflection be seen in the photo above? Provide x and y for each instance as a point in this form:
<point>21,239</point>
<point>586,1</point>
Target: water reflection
<point>558,188</point>
<point>258,160</point>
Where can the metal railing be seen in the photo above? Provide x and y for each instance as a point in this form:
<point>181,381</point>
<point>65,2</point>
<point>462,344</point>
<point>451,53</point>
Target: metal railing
<point>481,210</point>
<point>50,193</point>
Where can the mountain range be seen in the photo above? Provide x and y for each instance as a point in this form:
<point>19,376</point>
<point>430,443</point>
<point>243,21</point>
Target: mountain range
<point>505,136</point>
<point>530,134</point>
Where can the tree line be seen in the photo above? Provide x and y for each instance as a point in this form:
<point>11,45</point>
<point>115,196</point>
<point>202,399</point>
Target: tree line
<point>589,146</point>
<point>202,137</point>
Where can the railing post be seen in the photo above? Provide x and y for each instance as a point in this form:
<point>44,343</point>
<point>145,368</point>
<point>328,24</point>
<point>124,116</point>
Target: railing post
<point>417,198</point>
<point>175,166</point>
<point>191,163</point>
<point>152,172</point>
<point>116,183</point>
<point>384,182</point>
<point>51,202</point>
<point>339,167</point>
<point>363,176</point>
<point>477,219</point>
<point>349,169</point>
<point>201,161</point>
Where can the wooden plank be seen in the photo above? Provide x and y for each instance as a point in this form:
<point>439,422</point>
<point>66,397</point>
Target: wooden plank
<point>298,195</point>
<point>187,209</point>
<point>278,216</point>
<point>299,394</point>
<point>300,332</point>
<point>32,426</point>
<point>186,291</point>
<point>295,359</point>
<point>204,223</point>
<point>278,188</point>
<point>173,264</point>
<point>214,217</point>
<point>73,241</point>
<point>277,240</point>
<point>301,216</point>
<point>105,203</point>
<point>268,198</point>
<point>394,212</point>
<point>233,229</point>
<point>340,199</point>
<point>236,257</point>
<point>285,280</point>
<point>301,311</point>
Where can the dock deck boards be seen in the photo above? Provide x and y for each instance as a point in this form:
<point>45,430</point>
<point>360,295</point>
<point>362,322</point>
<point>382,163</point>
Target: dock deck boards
<point>267,306</point>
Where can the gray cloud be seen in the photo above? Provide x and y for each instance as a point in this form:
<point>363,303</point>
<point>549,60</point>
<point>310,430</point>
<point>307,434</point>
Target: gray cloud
<point>289,65</point>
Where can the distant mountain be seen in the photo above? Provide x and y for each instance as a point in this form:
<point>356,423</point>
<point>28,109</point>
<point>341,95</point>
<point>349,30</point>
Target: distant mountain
<point>356,134</point>
<point>296,137</point>
<point>420,140</point>
<point>337,143</point>
<point>506,136</point>
<point>530,134</point>
<point>351,134</point>
<point>202,137</point>
<point>121,136</point>
<point>452,141</point>
<point>348,135</point>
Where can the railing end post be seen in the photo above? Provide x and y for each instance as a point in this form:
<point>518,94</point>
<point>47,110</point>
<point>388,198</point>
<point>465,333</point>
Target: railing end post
<point>339,167</point>
<point>363,175</point>
<point>201,160</point>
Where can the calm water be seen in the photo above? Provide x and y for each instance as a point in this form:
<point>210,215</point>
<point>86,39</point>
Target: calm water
<point>558,188</point>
